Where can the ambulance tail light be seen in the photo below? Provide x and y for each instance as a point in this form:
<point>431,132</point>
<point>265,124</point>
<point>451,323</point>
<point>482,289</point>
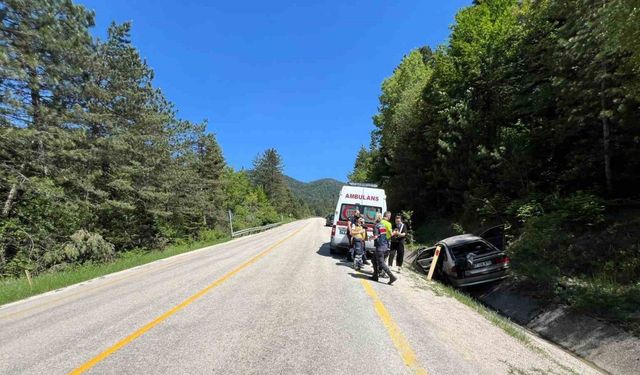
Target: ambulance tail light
<point>333,231</point>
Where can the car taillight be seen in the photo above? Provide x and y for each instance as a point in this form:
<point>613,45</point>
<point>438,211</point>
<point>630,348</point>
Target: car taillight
<point>333,231</point>
<point>504,259</point>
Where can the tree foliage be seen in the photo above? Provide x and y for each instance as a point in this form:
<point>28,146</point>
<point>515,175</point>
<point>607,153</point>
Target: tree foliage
<point>529,116</point>
<point>526,98</point>
<point>93,160</point>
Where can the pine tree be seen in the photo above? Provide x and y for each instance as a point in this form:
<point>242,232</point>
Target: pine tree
<point>267,174</point>
<point>45,50</point>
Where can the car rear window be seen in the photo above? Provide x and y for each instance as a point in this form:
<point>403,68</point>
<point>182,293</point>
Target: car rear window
<point>477,247</point>
<point>368,212</point>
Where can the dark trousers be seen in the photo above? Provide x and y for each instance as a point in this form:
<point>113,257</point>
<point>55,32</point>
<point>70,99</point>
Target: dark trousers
<point>397,251</point>
<point>378,262</point>
<point>353,250</point>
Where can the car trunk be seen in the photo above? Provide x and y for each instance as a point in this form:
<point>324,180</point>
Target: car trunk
<point>495,236</point>
<point>476,258</point>
<point>486,264</point>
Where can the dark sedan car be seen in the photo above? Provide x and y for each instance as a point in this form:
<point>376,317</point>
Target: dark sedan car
<point>329,220</point>
<point>468,259</point>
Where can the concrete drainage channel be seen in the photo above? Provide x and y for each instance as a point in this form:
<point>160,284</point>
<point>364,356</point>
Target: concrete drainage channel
<point>604,346</point>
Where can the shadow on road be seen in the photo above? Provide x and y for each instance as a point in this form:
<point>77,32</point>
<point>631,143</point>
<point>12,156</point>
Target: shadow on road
<point>342,261</point>
<point>325,251</point>
<point>341,256</point>
<point>364,275</point>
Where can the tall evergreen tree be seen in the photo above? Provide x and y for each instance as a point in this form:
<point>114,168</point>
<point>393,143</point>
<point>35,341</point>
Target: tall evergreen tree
<point>267,174</point>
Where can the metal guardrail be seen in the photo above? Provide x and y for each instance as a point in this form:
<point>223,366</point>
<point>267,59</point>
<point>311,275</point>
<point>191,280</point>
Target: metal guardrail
<point>254,229</point>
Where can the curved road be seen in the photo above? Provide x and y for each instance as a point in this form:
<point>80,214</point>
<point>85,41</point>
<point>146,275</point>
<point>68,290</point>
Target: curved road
<point>271,303</point>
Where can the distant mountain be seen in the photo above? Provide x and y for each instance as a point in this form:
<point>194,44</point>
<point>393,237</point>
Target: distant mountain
<point>320,195</point>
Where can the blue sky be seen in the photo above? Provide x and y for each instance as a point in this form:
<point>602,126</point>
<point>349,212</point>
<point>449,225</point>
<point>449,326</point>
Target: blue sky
<point>301,76</point>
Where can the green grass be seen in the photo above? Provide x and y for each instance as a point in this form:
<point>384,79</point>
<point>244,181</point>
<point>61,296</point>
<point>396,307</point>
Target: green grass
<point>13,289</point>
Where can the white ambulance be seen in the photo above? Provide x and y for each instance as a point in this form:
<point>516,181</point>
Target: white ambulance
<point>368,199</point>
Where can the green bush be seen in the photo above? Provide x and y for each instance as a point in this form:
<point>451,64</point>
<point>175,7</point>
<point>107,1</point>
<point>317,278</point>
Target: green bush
<point>604,297</point>
<point>528,210</point>
<point>210,235</point>
<point>82,247</point>
<point>17,265</point>
<point>579,208</point>
<point>537,253</point>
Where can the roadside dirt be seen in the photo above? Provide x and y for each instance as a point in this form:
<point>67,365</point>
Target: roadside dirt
<point>491,348</point>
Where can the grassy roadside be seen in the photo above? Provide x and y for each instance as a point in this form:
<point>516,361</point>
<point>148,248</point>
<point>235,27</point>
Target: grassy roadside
<point>13,289</point>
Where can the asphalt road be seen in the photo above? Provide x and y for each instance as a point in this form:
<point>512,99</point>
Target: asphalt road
<point>272,303</point>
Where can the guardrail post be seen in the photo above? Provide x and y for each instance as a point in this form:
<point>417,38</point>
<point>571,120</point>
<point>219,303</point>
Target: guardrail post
<point>231,222</point>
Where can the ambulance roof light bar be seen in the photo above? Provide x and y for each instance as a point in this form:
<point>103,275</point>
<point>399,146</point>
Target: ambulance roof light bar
<point>363,184</point>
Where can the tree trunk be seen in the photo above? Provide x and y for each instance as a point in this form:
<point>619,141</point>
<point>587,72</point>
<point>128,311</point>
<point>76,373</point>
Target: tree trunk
<point>34,87</point>
<point>10,198</point>
<point>13,193</point>
<point>606,132</point>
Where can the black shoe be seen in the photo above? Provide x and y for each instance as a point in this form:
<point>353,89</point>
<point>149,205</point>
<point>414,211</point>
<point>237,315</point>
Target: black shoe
<point>373,278</point>
<point>384,276</point>
<point>392,280</point>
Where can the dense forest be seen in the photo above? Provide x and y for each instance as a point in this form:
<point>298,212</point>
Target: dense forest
<point>528,116</point>
<point>93,158</point>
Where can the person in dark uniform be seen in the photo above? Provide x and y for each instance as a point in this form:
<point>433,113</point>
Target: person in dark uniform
<point>381,243</point>
<point>398,237</point>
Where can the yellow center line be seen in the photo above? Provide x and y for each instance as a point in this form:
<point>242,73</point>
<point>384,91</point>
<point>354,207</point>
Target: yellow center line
<point>141,331</point>
<point>399,341</point>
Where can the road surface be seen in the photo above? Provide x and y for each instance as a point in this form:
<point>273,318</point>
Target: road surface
<point>272,303</point>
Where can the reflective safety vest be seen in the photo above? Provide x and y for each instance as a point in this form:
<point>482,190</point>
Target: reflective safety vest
<point>359,232</point>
